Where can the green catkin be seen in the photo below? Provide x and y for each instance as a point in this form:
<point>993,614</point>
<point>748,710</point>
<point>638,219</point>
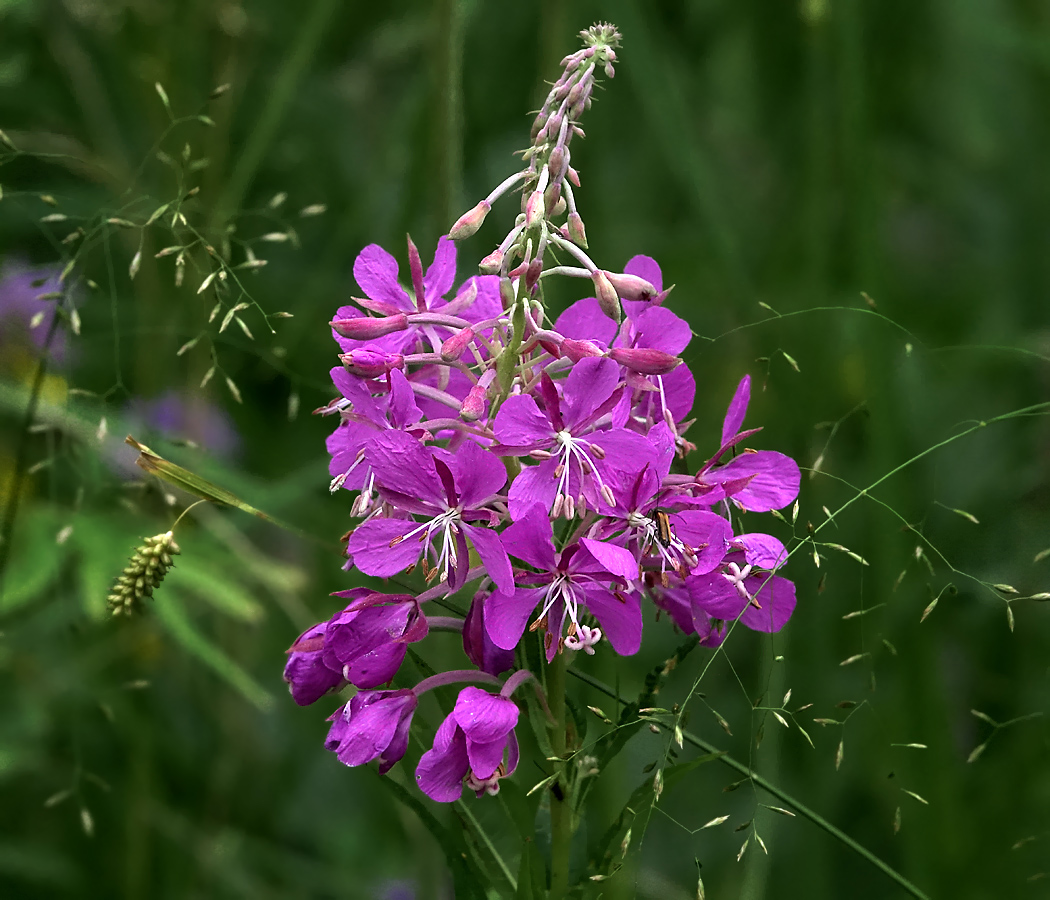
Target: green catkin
<point>148,566</point>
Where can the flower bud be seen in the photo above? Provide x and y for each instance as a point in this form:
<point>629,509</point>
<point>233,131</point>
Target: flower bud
<point>366,328</point>
<point>506,292</point>
<point>453,348</point>
<point>552,196</point>
<point>558,207</point>
<point>606,294</point>
<point>577,350</point>
<point>474,403</point>
<point>491,264</point>
<point>572,174</point>
<point>577,233</point>
<point>631,287</point>
<point>534,209</point>
<point>371,363</point>
<point>532,274</point>
<point>645,360</point>
<point>470,222</point>
<point>478,645</point>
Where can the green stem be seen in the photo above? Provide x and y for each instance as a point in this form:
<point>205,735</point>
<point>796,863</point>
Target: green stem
<point>561,802</point>
<point>781,795</point>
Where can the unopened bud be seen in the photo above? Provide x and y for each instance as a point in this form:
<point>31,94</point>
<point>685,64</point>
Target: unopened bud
<point>556,162</point>
<point>506,292</point>
<point>470,222</point>
<point>474,403</point>
<point>577,350</point>
<point>453,348</point>
<point>534,209</point>
<point>645,360</point>
<point>558,207</point>
<point>492,263</point>
<point>532,274</point>
<point>577,233</point>
<point>371,363</point>
<point>609,70</point>
<point>365,328</point>
<point>552,196</point>
<point>631,287</point>
<point>572,174</point>
<point>606,294</point>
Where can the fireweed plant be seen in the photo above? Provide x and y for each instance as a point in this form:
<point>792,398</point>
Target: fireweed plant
<point>536,466</point>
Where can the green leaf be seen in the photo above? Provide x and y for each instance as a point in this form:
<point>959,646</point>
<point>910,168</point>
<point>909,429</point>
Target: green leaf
<point>172,614</point>
<point>532,876</point>
<point>221,589</point>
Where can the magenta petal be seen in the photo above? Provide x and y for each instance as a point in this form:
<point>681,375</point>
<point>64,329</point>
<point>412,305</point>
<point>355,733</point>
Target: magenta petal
<point>585,321</point>
<point>507,614</point>
<point>679,392</point>
<point>620,620</point>
<point>403,408</point>
<point>490,550</point>
<point>375,271</point>
<point>404,465</point>
<point>615,560</point>
<point>442,272</point>
<point>660,329</point>
<point>370,546</point>
<point>442,768</point>
<point>520,423</point>
<point>719,599</point>
<point>645,267</point>
<point>737,409</point>
<point>707,533</point>
<point>484,717</point>
<point>762,550</point>
<point>774,479</point>
<point>531,538</point>
<point>590,383</point>
<point>370,730</point>
<point>535,486</point>
<point>479,474</point>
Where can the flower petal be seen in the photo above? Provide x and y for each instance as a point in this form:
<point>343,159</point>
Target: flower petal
<point>404,465</point>
<point>507,614</point>
<point>378,547</point>
<point>585,321</point>
<point>531,538</point>
<point>762,550</point>
<point>620,620</point>
<point>737,409</point>
<point>442,272</point>
<point>490,550</point>
<point>443,767</point>
<point>773,479</point>
<point>484,717</point>
<point>520,423</point>
<point>590,383</point>
<point>375,271</point>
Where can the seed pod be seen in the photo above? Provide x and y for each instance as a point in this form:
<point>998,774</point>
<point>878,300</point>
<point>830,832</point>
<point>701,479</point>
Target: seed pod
<point>144,573</point>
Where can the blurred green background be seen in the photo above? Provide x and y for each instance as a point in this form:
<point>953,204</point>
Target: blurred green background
<point>778,159</point>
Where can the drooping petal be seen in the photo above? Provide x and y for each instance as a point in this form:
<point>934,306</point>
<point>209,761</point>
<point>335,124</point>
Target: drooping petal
<point>477,644</point>
<point>620,619</point>
<point>774,479</point>
<point>507,615</point>
<point>442,271</point>
<point>308,677</point>
<point>490,550</point>
<point>375,271</point>
<point>737,409</point>
<point>379,547</point>
<point>443,767</point>
<point>372,721</point>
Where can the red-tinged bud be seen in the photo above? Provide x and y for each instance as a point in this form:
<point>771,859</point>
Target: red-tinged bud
<point>610,72</point>
<point>492,263</point>
<point>371,363</point>
<point>475,403</point>
<point>556,162</point>
<point>506,292</point>
<point>606,294</point>
<point>366,328</point>
<point>577,233</point>
<point>532,274</point>
<point>470,222</point>
<point>577,350</point>
<point>552,196</point>
<point>377,306</point>
<point>534,209</point>
<point>453,348</point>
<point>631,287</point>
<point>550,348</point>
<point>645,360</point>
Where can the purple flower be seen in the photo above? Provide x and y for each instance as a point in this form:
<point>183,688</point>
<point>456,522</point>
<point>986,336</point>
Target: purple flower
<point>186,415</point>
<point>756,480</point>
<point>450,491</point>
<point>368,640</point>
<point>564,435</point>
<point>745,587</point>
<point>478,645</point>
<point>372,725</point>
<point>308,677</point>
<point>476,742</point>
<point>587,575</point>
<point>676,600</point>
<point>20,310</point>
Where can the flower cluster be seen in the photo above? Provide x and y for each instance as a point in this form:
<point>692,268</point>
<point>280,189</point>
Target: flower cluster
<point>529,464</point>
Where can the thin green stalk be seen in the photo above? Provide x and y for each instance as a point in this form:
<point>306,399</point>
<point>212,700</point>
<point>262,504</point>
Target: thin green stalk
<point>482,835</point>
<point>781,795</point>
<point>561,802</point>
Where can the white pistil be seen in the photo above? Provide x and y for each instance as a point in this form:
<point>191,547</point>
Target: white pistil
<point>569,447</point>
<point>735,576</point>
<point>584,639</point>
<point>447,524</point>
